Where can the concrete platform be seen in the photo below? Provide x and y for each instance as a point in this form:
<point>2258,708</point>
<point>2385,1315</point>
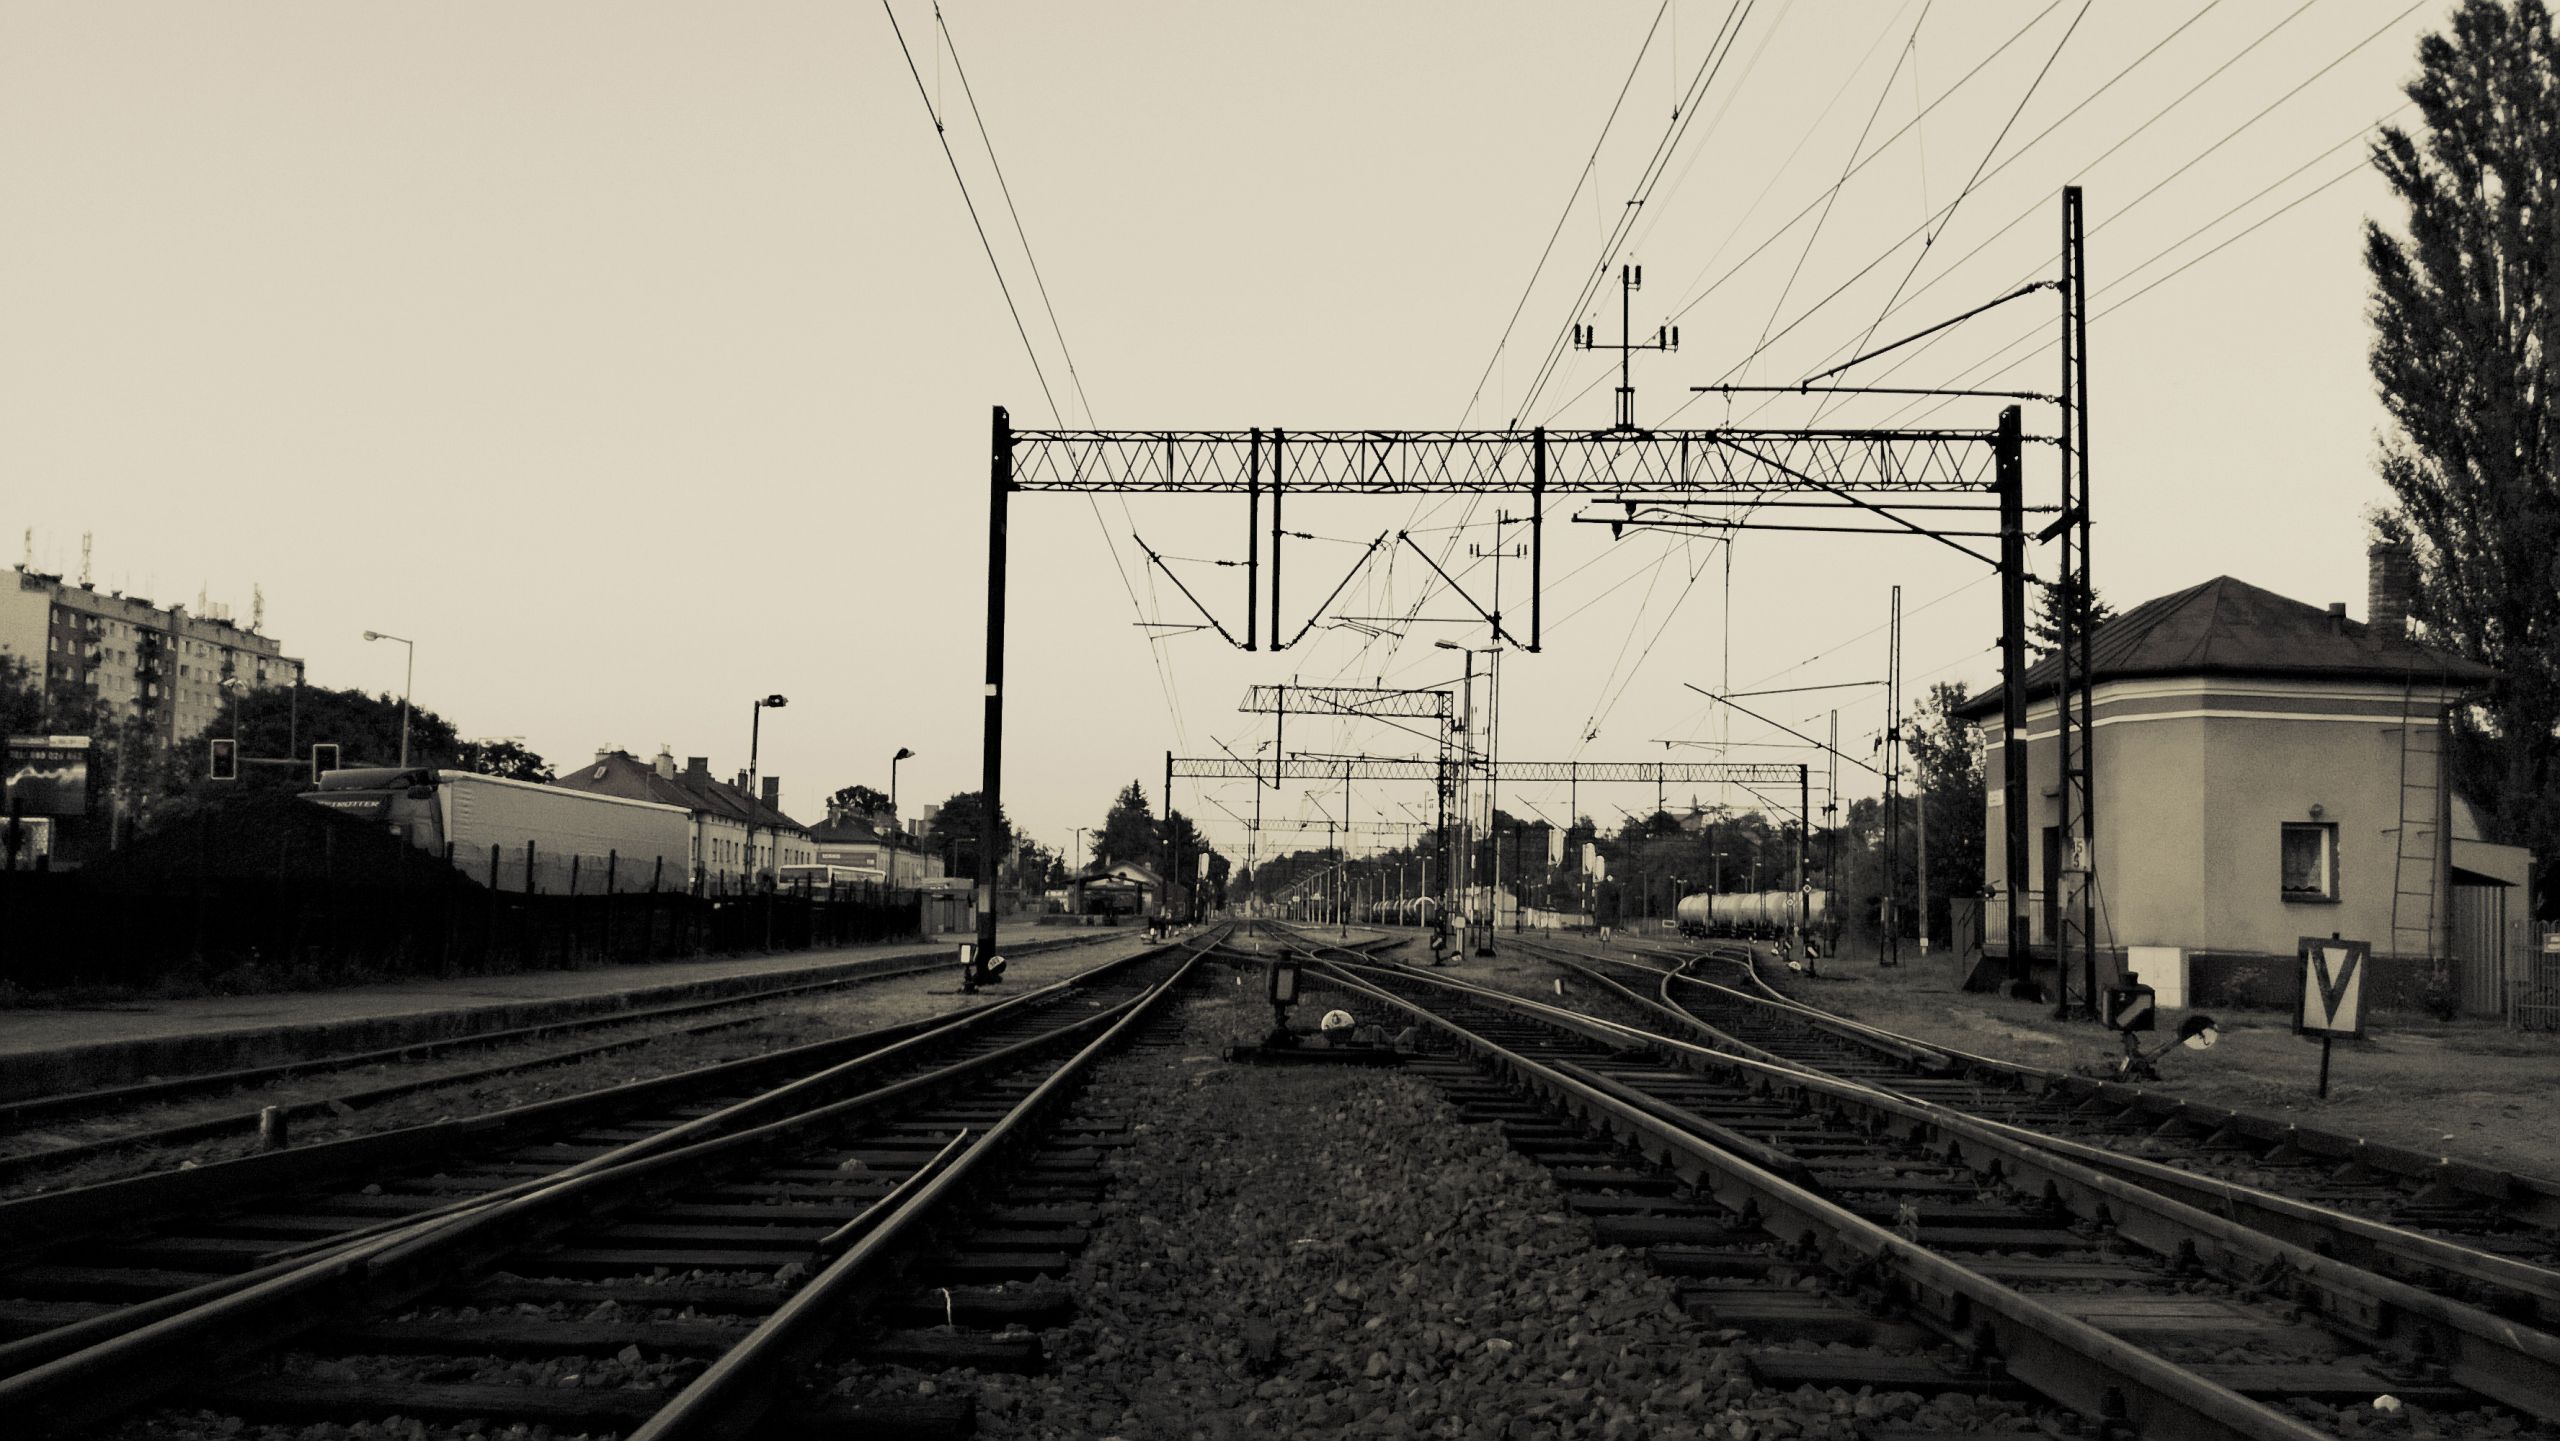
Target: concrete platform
<point>68,1049</point>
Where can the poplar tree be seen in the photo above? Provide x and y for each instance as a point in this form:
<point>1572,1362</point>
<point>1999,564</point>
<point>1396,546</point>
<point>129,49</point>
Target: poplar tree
<point>2463,358</point>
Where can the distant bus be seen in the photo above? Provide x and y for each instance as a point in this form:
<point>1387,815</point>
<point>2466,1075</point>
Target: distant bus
<point>819,878</point>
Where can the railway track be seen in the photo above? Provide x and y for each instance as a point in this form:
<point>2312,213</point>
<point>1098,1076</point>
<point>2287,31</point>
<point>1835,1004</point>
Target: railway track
<point>631,1028</point>
<point>677,1260</point>
<point>2479,1235</point>
<point>1955,1253</point>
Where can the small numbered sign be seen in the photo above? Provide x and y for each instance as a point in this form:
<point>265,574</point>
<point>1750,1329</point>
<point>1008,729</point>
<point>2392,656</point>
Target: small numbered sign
<point>2333,974</point>
<point>2132,1008</point>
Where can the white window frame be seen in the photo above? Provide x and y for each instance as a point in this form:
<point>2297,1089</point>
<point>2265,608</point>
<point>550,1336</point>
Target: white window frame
<point>2327,833</point>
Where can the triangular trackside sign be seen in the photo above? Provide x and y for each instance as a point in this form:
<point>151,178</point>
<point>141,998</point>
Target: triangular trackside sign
<point>2332,997</point>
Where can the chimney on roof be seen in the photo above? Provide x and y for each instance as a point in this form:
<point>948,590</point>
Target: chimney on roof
<point>603,751</point>
<point>665,764</point>
<point>773,793</point>
<point>2337,617</point>
<point>2389,578</point>
<point>697,768</point>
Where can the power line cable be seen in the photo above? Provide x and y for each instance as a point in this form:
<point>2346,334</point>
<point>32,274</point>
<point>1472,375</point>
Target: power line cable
<point>943,138</point>
<point>2227,136</point>
<point>1581,177</point>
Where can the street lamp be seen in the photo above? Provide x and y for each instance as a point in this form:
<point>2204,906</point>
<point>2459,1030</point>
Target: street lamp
<point>411,674</point>
<point>903,754</point>
<point>888,852</point>
<point>755,739</point>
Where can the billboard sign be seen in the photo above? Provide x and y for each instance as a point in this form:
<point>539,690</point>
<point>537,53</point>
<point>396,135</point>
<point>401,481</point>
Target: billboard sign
<point>46,775</point>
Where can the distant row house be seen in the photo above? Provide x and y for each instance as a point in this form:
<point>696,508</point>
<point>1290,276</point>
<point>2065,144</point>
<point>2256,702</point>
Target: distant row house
<point>723,813</point>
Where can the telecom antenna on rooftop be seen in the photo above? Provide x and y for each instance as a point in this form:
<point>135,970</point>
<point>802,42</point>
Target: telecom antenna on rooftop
<point>84,560</point>
<point>257,608</point>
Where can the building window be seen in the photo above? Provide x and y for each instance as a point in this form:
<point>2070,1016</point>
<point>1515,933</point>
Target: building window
<point>2310,861</point>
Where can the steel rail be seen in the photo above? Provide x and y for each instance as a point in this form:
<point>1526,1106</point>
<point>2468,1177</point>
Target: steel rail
<point>2064,1358</point>
<point>55,1216</point>
<point>392,1269</point>
<point>2434,1263</point>
<point>2489,1354</point>
<point>28,1111</point>
<point>64,1215</point>
<point>738,1391</point>
<point>2532,1200</point>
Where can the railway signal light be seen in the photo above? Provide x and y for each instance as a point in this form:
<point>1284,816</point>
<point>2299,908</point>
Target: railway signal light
<point>223,763</point>
<point>1283,991</point>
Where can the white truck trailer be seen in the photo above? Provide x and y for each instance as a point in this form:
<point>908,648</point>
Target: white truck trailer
<point>519,835</point>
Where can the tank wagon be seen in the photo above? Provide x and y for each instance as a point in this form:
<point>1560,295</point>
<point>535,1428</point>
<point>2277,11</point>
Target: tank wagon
<point>1754,913</point>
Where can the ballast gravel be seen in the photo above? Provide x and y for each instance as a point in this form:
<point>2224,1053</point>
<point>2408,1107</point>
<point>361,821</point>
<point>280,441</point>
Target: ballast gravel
<point>1320,1252</point>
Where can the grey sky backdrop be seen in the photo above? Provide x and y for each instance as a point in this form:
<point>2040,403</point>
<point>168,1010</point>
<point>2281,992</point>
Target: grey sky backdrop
<point>636,359</point>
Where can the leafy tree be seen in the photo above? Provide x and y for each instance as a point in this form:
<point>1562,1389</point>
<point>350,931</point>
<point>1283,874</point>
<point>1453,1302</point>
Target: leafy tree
<point>1128,829</point>
<point>25,709</point>
<point>861,802</point>
<point>2044,628</point>
<point>511,760</point>
<point>2462,354</point>
<point>1951,776</point>
<point>960,833</point>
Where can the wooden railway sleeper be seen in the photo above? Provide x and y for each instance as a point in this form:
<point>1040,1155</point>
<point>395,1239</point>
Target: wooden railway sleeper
<point>2490,1359</point>
<point>404,1263</point>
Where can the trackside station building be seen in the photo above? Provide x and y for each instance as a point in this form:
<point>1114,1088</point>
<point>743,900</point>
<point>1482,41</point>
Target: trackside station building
<point>2268,770</point>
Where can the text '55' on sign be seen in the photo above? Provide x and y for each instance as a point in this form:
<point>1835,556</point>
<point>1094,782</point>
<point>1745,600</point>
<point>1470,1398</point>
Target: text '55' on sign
<point>2332,997</point>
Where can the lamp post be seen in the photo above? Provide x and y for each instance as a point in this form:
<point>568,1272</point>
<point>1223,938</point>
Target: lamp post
<point>888,851</point>
<point>1461,877</point>
<point>755,741</point>
<point>409,675</point>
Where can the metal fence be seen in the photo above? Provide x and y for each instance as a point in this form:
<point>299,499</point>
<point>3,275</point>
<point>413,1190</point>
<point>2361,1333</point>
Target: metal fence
<point>2533,990</point>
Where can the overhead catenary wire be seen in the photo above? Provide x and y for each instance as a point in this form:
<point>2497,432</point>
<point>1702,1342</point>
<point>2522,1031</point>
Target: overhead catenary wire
<point>941,132</point>
<point>2193,160</point>
<point>1582,177</point>
<point>1947,217</point>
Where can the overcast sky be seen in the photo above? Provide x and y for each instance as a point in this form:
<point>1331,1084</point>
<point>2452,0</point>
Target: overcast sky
<point>637,359</point>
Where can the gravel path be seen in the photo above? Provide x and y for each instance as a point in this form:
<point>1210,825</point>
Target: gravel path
<point>1332,1253</point>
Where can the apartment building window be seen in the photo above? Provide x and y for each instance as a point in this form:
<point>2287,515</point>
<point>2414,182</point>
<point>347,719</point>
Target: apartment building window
<point>2310,861</point>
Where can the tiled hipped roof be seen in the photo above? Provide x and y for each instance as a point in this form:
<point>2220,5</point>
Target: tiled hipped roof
<point>2228,627</point>
<point>631,778</point>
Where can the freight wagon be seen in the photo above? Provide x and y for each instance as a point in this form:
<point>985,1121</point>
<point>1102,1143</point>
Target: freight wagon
<point>1755,913</point>
<point>517,835</point>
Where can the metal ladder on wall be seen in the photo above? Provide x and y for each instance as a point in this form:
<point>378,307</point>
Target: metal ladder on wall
<point>2414,839</point>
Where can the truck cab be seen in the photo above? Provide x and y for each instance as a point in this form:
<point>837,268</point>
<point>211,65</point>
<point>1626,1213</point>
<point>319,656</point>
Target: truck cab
<point>402,800</point>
